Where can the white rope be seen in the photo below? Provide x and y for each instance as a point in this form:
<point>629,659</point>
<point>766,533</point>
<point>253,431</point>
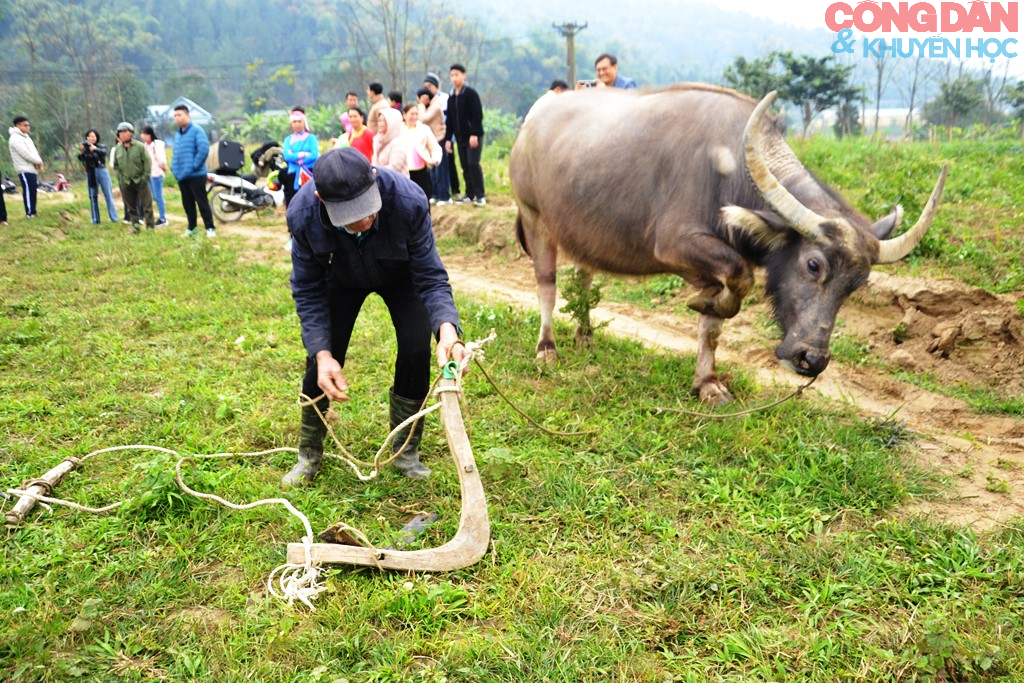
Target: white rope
<point>289,581</point>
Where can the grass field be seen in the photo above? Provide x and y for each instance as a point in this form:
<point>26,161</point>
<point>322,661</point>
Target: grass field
<point>661,548</point>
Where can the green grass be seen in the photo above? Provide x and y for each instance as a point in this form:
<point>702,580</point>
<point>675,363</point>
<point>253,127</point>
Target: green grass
<point>976,234</point>
<point>662,548</point>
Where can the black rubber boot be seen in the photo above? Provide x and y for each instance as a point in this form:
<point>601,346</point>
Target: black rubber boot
<point>408,462</point>
<point>311,448</point>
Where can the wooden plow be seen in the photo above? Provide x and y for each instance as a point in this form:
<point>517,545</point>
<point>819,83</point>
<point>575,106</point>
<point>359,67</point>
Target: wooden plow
<point>469,544</point>
<point>474,534</point>
<point>38,488</point>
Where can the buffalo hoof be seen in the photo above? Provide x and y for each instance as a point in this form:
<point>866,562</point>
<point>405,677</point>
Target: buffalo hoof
<point>714,393</point>
<point>583,338</point>
<point>547,356</point>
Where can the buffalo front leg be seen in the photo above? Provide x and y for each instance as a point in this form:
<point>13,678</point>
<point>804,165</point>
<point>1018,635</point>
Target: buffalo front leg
<point>545,257</point>
<point>706,384</point>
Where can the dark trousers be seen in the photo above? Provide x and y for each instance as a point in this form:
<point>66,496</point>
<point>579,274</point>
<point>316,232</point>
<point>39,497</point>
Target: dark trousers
<point>28,192</point>
<point>287,179</point>
<point>193,193</point>
<point>453,172</point>
<point>138,202</point>
<point>412,331</point>
<point>472,172</point>
<point>439,176</point>
<point>422,178</point>
<point>3,208</point>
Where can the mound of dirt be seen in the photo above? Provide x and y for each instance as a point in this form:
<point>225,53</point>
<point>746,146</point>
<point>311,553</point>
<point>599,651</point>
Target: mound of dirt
<point>954,333</point>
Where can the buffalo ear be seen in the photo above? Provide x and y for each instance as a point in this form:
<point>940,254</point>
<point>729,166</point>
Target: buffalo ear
<point>884,226</point>
<point>764,227</point>
<point>772,220</point>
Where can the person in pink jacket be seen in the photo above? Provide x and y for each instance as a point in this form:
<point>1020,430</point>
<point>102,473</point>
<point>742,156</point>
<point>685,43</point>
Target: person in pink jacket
<point>158,155</point>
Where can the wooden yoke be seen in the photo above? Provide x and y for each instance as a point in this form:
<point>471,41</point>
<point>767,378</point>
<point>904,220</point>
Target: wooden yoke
<point>474,534</point>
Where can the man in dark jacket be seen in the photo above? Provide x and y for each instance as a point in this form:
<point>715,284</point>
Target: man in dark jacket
<point>466,128</point>
<point>358,230</point>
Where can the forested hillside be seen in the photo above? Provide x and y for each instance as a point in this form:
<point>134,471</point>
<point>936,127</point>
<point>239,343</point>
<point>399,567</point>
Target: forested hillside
<point>92,63</point>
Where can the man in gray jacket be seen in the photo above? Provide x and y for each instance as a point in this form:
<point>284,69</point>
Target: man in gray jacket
<point>26,161</point>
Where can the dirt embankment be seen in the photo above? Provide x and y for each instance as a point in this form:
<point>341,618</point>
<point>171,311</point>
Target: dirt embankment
<point>941,329</point>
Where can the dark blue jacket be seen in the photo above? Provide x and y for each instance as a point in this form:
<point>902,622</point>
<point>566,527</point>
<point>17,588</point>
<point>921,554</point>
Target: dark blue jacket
<point>399,248</point>
<point>190,150</point>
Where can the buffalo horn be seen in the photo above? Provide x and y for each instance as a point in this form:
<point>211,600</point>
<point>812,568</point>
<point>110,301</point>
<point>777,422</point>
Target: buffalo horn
<point>798,216</point>
<point>892,250</point>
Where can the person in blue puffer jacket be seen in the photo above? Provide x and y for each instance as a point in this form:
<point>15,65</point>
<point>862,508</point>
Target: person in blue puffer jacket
<point>188,164</point>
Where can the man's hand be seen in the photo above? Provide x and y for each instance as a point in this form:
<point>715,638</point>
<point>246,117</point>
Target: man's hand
<point>329,377</point>
<point>474,142</point>
<point>448,146</point>
<point>449,346</point>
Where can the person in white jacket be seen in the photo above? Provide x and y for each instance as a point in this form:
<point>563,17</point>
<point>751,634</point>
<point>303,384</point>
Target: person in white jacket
<point>26,161</point>
<point>424,150</point>
<point>390,147</point>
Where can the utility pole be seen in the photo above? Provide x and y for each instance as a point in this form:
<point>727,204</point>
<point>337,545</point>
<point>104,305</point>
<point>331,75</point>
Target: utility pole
<point>569,31</point>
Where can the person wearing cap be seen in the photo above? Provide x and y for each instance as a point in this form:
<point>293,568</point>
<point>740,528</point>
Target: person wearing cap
<point>133,166</point>
<point>445,176</point>
<point>188,164</point>
<point>358,230</point>
<point>432,117</point>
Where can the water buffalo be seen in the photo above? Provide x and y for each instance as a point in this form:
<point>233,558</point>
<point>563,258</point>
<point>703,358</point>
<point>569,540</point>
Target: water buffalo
<point>698,181</point>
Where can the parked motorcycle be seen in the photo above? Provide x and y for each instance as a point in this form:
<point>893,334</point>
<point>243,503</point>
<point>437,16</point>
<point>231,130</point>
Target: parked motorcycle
<point>62,185</point>
<point>232,196</point>
<point>8,186</point>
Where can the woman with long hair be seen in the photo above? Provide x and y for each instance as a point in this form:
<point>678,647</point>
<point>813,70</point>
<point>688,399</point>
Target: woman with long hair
<point>158,155</point>
<point>93,156</point>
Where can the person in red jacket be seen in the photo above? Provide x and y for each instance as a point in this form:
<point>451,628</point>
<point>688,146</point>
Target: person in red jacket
<point>360,137</point>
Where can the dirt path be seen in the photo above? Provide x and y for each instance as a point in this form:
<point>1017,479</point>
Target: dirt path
<point>939,328</point>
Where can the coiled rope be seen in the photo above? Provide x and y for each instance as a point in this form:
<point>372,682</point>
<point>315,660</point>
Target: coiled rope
<point>291,582</point>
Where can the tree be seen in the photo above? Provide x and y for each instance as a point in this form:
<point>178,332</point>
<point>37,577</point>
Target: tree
<point>255,91</point>
<point>192,85</point>
<point>919,72</point>
<point>815,84</point>
<point>1015,98</point>
<point>381,31</point>
<point>960,103</point>
<point>884,66</point>
<point>757,77</point>
<point>994,87</point>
